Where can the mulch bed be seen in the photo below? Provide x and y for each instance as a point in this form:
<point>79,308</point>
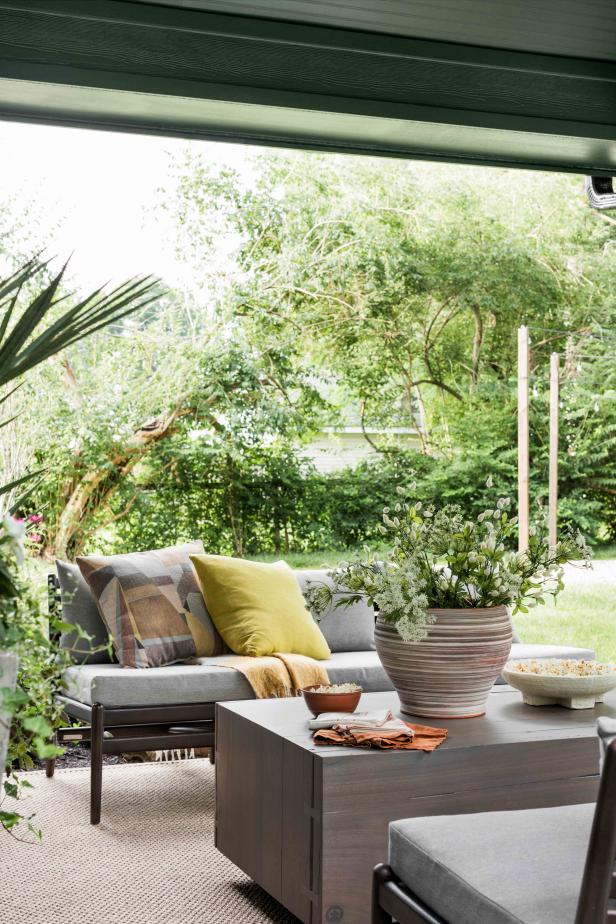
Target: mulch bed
<point>77,757</point>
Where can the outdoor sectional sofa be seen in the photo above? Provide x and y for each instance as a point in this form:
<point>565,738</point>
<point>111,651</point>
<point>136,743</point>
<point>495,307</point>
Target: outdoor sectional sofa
<point>134,709</point>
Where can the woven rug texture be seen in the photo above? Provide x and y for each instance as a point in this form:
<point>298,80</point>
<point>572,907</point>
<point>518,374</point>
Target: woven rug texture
<point>152,858</point>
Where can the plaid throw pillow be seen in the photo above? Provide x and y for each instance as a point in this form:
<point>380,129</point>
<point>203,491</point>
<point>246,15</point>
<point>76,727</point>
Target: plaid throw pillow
<point>142,599</point>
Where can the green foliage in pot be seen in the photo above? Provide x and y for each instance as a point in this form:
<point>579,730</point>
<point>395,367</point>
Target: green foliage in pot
<point>440,560</point>
<point>28,297</point>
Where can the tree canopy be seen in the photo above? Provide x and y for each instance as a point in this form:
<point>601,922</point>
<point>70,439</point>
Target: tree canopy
<point>318,282</point>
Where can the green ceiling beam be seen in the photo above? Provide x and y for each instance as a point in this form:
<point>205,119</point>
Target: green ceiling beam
<point>132,66</point>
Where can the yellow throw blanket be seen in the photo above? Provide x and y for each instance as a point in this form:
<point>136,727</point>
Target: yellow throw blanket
<point>276,675</point>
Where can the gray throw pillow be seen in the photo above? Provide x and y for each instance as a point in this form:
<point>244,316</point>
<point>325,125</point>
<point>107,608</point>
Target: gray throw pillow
<point>80,609</point>
<point>346,628</point>
<point>606,729</point>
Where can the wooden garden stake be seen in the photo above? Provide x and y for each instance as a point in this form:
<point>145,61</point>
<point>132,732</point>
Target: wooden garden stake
<point>523,459</point>
<point>553,469</point>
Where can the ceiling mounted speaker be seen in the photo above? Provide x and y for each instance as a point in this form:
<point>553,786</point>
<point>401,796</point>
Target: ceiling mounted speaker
<point>600,192</point>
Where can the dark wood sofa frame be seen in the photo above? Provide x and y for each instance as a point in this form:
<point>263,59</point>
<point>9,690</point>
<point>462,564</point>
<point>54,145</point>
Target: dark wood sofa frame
<point>129,728</point>
<point>392,900</point>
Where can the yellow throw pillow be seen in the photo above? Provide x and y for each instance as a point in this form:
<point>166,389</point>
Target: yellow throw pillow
<point>258,608</point>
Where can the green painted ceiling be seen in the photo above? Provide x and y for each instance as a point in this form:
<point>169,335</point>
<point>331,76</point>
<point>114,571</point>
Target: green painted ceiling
<point>483,81</point>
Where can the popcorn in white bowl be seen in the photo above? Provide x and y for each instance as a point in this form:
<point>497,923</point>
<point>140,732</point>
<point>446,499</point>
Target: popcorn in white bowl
<point>561,667</point>
<point>575,684</point>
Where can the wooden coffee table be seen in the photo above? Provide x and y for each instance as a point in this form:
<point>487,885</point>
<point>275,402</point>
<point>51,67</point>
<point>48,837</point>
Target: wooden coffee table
<point>308,822</point>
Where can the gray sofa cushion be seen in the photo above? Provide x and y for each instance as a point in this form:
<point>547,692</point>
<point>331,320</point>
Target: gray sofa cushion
<point>349,629</point>
<point>520,651</point>
<point>362,667</point>
<point>80,609</point>
<point>522,867</point>
<point>113,685</point>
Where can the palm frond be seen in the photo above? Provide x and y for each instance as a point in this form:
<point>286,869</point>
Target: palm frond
<point>5,488</point>
<point>22,348</point>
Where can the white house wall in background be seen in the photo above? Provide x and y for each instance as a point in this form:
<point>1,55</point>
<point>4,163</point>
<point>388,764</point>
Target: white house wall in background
<point>335,449</point>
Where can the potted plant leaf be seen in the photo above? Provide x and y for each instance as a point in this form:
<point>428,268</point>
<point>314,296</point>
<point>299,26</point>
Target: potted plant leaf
<point>443,597</point>
<point>11,549</point>
<point>28,297</point>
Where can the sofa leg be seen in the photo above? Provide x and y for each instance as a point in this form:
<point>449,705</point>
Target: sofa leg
<point>382,874</point>
<point>50,763</point>
<point>96,762</point>
<point>212,755</point>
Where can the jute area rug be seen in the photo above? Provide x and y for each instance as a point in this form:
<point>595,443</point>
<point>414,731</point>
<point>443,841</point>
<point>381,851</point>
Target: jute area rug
<point>152,858</point>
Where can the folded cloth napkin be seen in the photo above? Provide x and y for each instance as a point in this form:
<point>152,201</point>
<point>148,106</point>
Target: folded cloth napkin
<point>375,719</point>
<point>409,738</point>
<point>394,728</point>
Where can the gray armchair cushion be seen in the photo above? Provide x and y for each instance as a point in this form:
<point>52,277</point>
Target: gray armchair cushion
<point>80,608</point>
<point>522,867</point>
<point>346,629</point>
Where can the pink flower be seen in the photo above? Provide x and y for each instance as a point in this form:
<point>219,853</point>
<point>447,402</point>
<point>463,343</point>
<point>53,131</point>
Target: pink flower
<point>35,518</point>
<point>34,537</point>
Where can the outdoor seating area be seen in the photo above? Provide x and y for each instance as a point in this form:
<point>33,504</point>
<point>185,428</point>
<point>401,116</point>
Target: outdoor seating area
<point>308,469</point>
<point>174,706</point>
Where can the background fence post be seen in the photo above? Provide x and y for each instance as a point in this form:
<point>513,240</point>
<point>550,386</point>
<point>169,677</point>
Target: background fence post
<point>553,474</point>
<point>523,460</point>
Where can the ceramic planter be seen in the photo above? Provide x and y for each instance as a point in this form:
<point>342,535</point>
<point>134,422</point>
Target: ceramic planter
<point>8,675</point>
<point>448,674</point>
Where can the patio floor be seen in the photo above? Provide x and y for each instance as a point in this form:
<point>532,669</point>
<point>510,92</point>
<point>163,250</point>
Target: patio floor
<point>152,859</point>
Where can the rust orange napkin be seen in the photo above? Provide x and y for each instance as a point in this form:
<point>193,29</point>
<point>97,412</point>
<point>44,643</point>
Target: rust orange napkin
<point>423,738</point>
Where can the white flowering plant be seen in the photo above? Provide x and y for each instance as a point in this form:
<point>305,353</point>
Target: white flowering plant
<point>440,560</point>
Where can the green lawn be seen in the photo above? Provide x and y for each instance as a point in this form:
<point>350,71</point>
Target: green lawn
<point>601,552</point>
<point>580,616</point>
<point>325,558</point>
<point>583,615</point>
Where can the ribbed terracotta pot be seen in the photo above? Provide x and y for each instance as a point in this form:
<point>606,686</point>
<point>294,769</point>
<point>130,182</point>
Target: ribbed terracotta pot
<point>8,675</point>
<point>449,674</point>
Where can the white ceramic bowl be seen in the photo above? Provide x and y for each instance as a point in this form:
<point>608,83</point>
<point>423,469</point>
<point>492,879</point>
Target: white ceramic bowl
<point>568,690</point>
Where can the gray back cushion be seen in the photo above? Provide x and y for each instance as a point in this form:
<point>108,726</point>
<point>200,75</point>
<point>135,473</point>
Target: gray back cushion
<point>346,629</point>
<point>80,609</point>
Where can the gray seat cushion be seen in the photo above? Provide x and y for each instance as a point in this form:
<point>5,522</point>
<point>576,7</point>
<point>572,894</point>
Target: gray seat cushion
<point>522,867</point>
<point>346,629</point>
<point>113,685</point>
<point>80,609</point>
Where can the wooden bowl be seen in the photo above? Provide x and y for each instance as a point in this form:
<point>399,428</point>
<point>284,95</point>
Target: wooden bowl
<point>330,702</point>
